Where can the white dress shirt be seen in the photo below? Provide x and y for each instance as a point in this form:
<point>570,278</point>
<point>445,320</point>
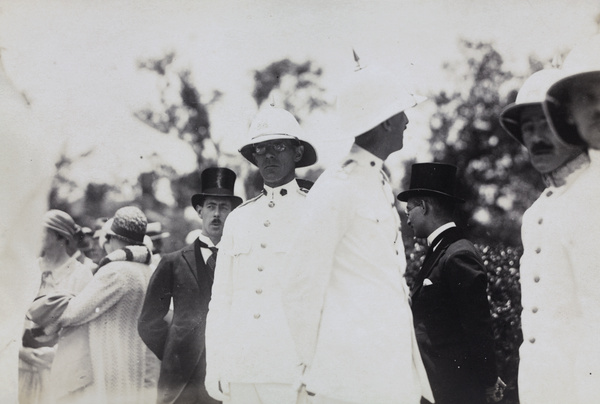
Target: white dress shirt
<point>206,251</point>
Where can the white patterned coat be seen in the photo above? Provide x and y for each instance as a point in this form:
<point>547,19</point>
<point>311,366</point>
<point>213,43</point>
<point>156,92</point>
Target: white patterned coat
<point>111,304</point>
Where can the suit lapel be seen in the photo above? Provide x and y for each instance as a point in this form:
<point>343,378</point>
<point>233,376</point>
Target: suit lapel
<point>189,256</point>
<point>447,237</point>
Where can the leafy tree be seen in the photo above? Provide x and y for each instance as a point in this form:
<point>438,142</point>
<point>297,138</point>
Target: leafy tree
<point>181,113</point>
<point>293,86</point>
<point>497,180</point>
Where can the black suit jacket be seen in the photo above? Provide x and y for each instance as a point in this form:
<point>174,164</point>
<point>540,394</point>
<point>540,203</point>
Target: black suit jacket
<point>453,321</point>
<point>180,344</point>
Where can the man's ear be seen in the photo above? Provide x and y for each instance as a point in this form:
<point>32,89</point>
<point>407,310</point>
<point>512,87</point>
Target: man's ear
<point>198,209</point>
<point>298,153</point>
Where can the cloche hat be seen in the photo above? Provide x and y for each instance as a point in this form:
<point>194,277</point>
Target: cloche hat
<point>129,225</point>
<point>61,222</point>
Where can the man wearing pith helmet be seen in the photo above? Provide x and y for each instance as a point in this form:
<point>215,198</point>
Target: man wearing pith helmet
<point>346,298</point>
<point>183,281</point>
<point>550,248</point>
<point>250,352</point>
<point>572,106</point>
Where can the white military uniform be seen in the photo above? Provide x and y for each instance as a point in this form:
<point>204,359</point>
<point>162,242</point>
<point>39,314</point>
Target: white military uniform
<point>346,299</point>
<point>247,336</point>
<point>560,280</point>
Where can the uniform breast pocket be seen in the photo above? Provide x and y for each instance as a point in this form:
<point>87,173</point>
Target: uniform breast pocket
<point>241,247</point>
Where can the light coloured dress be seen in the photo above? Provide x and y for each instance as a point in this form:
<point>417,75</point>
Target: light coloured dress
<point>70,277</point>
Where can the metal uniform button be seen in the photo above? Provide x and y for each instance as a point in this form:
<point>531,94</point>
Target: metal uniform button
<point>263,245</point>
<point>532,340</point>
<point>267,223</point>
<point>260,269</point>
<point>541,220</point>
<point>257,316</point>
<point>536,279</point>
<point>271,204</point>
<point>258,291</point>
<point>538,250</point>
<point>534,309</point>
<point>549,193</point>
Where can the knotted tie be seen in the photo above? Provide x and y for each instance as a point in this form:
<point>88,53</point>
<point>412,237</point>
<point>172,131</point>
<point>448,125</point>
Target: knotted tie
<point>212,260</point>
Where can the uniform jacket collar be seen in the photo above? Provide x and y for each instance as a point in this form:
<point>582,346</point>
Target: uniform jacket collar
<point>364,158</point>
<point>567,172</point>
<point>281,191</point>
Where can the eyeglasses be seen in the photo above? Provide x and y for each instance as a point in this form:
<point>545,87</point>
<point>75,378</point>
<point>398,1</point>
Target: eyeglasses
<point>278,147</point>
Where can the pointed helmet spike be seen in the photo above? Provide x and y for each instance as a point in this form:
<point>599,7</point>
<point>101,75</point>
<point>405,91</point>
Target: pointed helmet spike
<point>556,61</point>
<point>357,60</point>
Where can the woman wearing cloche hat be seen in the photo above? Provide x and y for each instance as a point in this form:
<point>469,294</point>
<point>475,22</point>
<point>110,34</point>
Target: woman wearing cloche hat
<point>110,306</point>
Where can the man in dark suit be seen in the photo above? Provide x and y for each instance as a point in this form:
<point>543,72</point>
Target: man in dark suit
<point>185,278</point>
<point>449,300</point>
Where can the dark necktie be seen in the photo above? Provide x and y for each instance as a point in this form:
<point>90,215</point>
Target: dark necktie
<point>212,260</point>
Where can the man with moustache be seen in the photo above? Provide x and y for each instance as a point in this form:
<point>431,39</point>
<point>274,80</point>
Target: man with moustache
<point>184,279</point>
<point>551,264</point>
<point>346,299</point>
<point>250,353</point>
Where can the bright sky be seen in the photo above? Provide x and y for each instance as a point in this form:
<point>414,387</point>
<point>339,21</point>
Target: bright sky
<point>76,60</point>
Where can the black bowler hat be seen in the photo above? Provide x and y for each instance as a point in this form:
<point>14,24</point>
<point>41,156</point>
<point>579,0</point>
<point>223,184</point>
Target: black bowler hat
<point>218,182</point>
<point>433,179</point>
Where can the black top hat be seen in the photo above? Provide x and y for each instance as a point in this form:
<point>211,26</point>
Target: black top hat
<point>433,179</point>
<point>217,181</point>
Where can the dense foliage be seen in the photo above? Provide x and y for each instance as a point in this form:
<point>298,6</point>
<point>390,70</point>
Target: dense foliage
<point>496,178</point>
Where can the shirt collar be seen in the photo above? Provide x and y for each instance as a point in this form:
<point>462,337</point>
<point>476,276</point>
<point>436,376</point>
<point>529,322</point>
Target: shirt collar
<point>281,190</point>
<point>564,174</point>
<point>206,240</point>
<point>439,231</point>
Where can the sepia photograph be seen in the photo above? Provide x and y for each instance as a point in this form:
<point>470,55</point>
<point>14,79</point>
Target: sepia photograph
<point>299,202</point>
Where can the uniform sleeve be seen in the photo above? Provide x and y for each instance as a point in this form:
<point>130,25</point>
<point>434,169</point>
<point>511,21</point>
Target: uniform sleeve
<point>105,289</point>
<point>152,326</point>
<point>219,309</point>
<point>328,214</point>
<point>468,287</point>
